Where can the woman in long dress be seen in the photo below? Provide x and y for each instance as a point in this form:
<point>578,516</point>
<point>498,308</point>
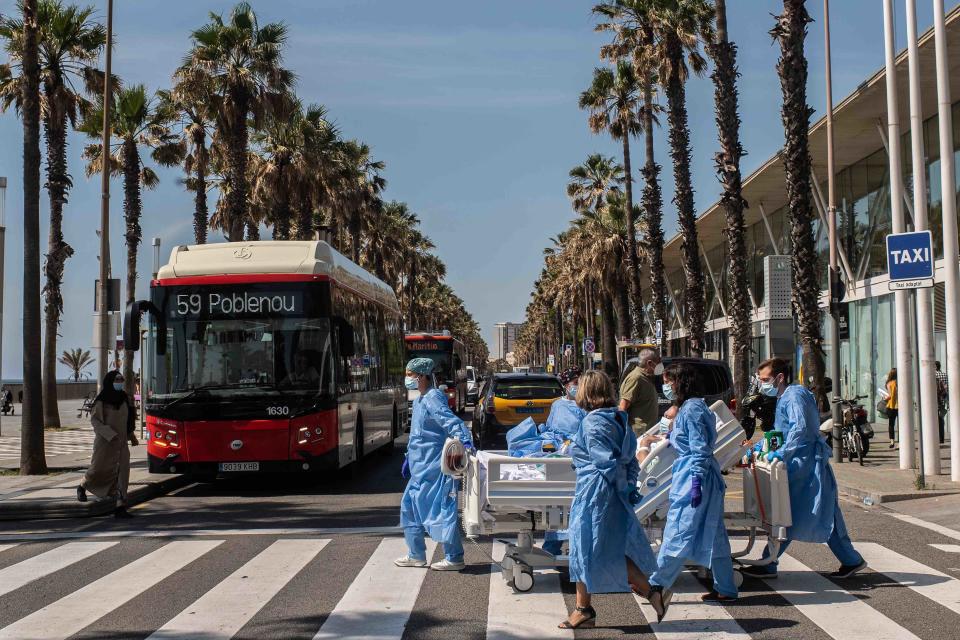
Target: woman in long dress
<point>114,420</point>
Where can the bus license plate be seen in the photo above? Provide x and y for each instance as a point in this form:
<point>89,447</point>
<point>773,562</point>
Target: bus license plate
<point>239,466</point>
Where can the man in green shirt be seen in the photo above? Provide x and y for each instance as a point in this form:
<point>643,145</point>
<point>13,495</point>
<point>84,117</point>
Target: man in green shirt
<point>638,395</point>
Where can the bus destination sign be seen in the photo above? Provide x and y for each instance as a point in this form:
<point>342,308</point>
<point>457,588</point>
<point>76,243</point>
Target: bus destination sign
<point>423,345</point>
<point>224,304</point>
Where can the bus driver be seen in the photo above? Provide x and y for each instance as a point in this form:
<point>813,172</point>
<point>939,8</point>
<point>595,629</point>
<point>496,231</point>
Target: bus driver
<point>304,374</point>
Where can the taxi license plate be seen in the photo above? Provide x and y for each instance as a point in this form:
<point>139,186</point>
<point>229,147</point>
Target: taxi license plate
<point>239,466</point>
<point>529,410</point>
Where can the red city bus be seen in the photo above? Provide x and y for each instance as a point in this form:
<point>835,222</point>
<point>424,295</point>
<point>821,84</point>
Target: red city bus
<point>268,356</point>
<point>450,357</point>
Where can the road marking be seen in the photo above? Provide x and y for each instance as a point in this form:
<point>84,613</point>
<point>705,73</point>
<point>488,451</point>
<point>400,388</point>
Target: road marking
<point>28,536</point>
<point>836,611</point>
<point>689,617</point>
<point>535,614</point>
<point>16,576</point>
<point>378,602</point>
<point>83,607</point>
<point>4,547</point>
<point>949,548</point>
<point>221,612</point>
<point>930,583</point>
<point>942,530</point>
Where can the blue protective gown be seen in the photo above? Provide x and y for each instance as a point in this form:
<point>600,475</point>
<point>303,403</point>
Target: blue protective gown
<point>430,499</point>
<point>696,533</point>
<point>563,421</point>
<point>813,487</point>
<point>603,527</point>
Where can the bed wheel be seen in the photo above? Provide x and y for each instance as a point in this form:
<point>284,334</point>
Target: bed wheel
<point>738,579</point>
<point>523,582</point>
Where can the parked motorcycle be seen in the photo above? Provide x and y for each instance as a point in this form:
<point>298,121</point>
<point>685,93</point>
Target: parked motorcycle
<point>855,430</point>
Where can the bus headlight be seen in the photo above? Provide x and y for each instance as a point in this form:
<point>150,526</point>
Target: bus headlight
<point>303,435</point>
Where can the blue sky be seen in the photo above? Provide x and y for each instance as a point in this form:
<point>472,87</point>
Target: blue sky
<point>473,106</point>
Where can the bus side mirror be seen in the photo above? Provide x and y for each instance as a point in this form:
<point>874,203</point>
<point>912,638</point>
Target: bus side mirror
<point>345,331</point>
<point>131,326</point>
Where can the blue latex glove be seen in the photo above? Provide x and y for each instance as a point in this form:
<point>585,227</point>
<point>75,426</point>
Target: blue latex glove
<point>405,469</point>
<point>635,497</point>
<point>468,446</point>
<point>757,448</point>
<point>774,455</point>
<point>696,492</point>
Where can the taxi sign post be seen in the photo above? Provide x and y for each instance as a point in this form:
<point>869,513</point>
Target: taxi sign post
<point>910,260</point>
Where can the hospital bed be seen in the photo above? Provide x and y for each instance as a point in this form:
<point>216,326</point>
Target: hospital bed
<point>504,495</point>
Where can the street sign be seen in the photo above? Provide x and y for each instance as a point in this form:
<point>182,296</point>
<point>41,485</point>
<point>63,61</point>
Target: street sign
<point>589,346</point>
<point>551,360</point>
<point>910,260</point>
<point>659,330</point>
<point>568,350</point>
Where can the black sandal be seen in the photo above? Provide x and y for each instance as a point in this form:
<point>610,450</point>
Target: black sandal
<point>660,601</point>
<point>589,622</point>
<point>81,493</point>
<point>715,596</point>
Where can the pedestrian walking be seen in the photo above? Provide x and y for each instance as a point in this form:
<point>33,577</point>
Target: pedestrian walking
<point>892,410</point>
<point>638,393</point>
<point>941,398</point>
<point>114,420</point>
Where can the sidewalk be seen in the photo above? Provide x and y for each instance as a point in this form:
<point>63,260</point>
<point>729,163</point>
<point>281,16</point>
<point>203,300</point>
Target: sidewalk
<point>54,495</point>
<point>880,479</point>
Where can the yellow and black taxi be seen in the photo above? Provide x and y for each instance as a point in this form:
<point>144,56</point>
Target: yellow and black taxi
<point>507,399</point>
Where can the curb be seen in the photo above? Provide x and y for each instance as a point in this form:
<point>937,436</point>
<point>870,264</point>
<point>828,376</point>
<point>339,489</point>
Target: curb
<point>882,497</point>
<point>43,510</point>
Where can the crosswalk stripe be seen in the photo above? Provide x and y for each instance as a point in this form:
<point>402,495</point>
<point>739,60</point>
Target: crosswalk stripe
<point>223,610</point>
<point>689,617</point>
<point>16,576</point>
<point>378,602</point>
<point>930,583</point>
<point>535,614</point>
<point>836,611</point>
<point>4,547</point>
<point>85,606</point>
<point>932,526</point>
<point>949,548</point>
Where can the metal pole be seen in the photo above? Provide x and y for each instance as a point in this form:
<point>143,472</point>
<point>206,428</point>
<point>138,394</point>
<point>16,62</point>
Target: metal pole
<point>928,441</point>
<point>951,251</point>
<point>834,280</point>
<point>156,257</point>
<point>102,313</point>
<point>901,299</point>
<point>3,248</point>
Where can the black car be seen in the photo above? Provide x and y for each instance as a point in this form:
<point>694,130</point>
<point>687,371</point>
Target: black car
<point>507,399</point>
<point>715,379</point>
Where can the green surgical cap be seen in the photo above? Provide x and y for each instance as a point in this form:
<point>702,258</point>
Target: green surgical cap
<point>421,365</point>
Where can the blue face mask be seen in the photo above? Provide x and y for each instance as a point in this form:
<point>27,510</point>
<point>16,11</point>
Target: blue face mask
<point>411,383</point>
<point>118,386</point>
<point>768,389</point>
<point>572,391</point>
<point>668,391</point>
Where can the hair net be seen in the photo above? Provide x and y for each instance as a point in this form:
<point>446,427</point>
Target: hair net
<point>421,365</point>
<point>570,374</point>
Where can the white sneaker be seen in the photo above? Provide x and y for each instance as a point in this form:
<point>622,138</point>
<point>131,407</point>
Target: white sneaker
<point>446,565</point>
<point>407,561</point>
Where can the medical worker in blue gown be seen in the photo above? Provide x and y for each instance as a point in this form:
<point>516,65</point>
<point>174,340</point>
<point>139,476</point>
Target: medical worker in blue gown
<point>562,423</point>
<point>694,532</point>
<point>813,487</point>
<point>429,503</point>
<point>609,551</point>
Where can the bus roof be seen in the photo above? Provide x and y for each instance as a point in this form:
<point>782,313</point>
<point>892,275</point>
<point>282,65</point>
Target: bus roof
<point>428,336</point>
<point>238,261</point>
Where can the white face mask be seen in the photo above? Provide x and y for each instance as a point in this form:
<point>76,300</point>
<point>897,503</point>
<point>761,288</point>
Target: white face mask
<point>658,370</point>
<point>412,383</point>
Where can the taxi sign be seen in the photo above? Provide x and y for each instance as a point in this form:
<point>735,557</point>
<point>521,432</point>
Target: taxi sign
<point>910,260</point>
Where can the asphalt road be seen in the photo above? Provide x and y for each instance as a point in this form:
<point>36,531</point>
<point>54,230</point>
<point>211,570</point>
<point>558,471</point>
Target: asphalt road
<point>292,558</point>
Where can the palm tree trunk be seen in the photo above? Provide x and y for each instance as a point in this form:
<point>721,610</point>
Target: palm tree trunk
<point>724,54</point>
<point>608,329</point>
<point>237,212</point>
<point>791,30</point>
<point>683,199</point>
<point>653,207</point>
<point>281,208</point>
<point>621,303</point>
<point>355,235</point>
<point>633,264</point>
<point>32,460</point>
<point>200,211</point>
<point>132,209</point>
<point>58,251</point>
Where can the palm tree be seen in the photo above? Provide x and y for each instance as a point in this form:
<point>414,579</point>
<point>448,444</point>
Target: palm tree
<point>139,121</point>
<point>790,30</point>
<point>362,185</point>
<point>724,54</point>
<point>613,101</point>
<point>678,26</point>
<point>591,182</point>
<point>32,460</point>
<point>243,62</point>
<point>77,360</point>
<point>195,106</point>
<point>69,42</point>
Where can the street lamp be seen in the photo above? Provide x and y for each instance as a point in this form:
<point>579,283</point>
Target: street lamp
<point>102,314</point>
<point>3,246</point>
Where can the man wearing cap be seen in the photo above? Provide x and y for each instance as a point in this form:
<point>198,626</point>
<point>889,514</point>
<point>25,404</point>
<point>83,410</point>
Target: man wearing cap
<point>638,395</point>
<point>429,503</point>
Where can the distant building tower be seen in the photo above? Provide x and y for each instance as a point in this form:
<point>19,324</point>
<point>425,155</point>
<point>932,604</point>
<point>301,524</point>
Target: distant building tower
<point>506,338</point>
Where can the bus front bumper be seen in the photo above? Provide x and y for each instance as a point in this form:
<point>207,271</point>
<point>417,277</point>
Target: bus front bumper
<point>306,463</point>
